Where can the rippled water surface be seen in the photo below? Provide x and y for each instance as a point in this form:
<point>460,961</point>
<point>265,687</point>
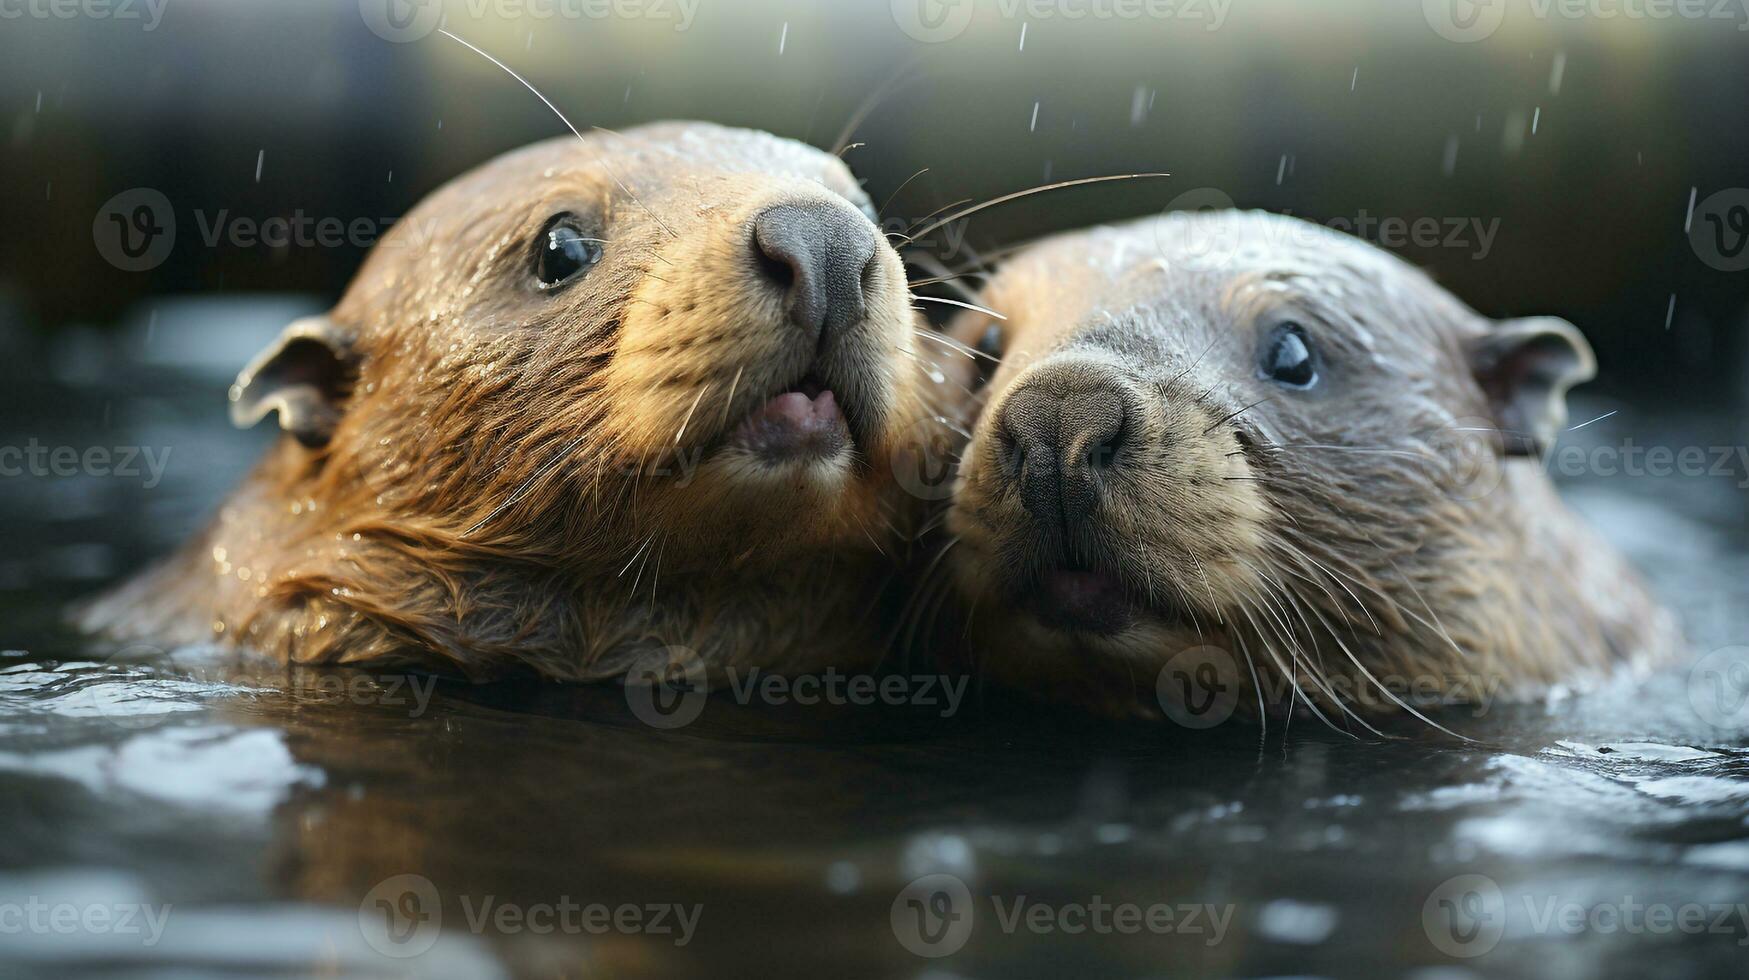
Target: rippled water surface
<point>179,817</point>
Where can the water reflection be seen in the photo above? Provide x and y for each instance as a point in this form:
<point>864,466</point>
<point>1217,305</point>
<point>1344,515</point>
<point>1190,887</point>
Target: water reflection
<point>375,826</point>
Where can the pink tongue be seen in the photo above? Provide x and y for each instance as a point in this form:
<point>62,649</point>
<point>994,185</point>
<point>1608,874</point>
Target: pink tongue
<point>792,424</point>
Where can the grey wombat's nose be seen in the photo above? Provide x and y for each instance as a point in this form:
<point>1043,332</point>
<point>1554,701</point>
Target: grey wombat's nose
<point>1058,430</point>
<point>820,254</point>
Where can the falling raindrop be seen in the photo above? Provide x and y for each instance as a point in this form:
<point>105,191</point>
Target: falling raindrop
<point>1449,165</point>
<point>1033,126</point>
<point>1688,219</point>
<point>1535,117</point>
<point>1354,78</point>
<point>782,39</point>
<point>1138,105</point>
<point>1281,170</point>
<point>1556,70</point>
<point>1670,311</point>
<point>260,158</point>
<point>39,100</point>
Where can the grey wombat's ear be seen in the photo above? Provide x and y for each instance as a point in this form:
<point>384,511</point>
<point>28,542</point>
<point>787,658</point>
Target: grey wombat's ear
<point>304,375</point>
<point>1525,367</point>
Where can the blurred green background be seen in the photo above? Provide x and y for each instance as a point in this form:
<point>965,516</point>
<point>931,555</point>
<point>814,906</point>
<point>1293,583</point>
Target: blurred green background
<point>1577,137</point>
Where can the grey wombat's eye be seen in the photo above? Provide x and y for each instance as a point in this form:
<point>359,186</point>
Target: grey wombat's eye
<point>1287,357</point>
<point>564,252</point>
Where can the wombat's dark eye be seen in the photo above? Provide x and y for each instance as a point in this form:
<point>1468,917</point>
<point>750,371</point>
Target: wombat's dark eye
<point>564,252</point>
<point>989,348</point>
<point>1287,357</point>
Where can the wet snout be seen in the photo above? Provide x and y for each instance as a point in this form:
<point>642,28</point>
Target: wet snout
<point>1061,434</point>
<point>820,253</point>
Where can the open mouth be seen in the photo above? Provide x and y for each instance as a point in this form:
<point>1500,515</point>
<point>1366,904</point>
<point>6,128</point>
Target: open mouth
<point>1077,598</point>
<point>803,421</point>
<point>1081,601</point>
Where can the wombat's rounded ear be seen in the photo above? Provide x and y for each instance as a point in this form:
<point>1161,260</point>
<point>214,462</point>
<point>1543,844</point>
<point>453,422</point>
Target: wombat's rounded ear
<point>304,375</point>
<point>1525,367</point>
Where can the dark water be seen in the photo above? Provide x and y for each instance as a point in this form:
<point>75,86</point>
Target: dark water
<point>183,819</point>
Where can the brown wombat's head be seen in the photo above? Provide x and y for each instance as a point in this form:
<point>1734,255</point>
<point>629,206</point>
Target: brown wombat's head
<point>686,338</point>
<point>1220,420</point>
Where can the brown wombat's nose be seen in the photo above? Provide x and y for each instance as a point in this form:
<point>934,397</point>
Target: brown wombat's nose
<point>1058,430</point>
<point>820,254</point>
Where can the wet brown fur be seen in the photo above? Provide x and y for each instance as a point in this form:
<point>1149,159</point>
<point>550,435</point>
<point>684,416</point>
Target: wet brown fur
<point>504,488</point>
